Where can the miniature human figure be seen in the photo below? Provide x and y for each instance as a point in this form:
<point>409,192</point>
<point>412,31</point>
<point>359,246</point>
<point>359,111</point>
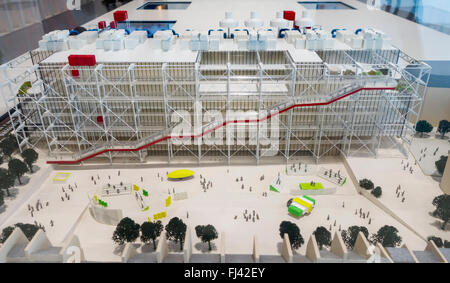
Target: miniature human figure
<point>328,218</point>
<point>370,221</point>
<point>142,179</point>
<point>343,204</point>
<point>62,199</point>
<point>51,223</point>
<point>187,214</point>
<point>32,214</point>
<point>403,199</point>
<point>334,223</point>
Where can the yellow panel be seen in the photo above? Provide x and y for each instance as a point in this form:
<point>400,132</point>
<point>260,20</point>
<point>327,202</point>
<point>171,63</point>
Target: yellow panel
<point>61,176</point>
<point>304,203</point>
<point>168,201</point>
<point>136,188</point>
<point>181,174</point>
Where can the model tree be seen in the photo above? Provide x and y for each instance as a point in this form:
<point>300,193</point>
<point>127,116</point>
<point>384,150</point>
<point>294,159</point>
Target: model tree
<point>296,239</point>
<point>6,181</point>
<point>437,241</point>
<point>176,230</point>
<point>350,235</point>
<point>366,184</point>
<point>8,145</point>
<point>28,229</point>
<point>377,192</point>
<point>442,211</point>
<point>443,128</point>
<point>17,168</point>
<point>387,236</point>
<point>440,164</point>
<point>323,237</point>
<point>423,127</point>
<point>151,231</point>
<point>206,234</point>
<point>30,156</point>
<point>127,231</point>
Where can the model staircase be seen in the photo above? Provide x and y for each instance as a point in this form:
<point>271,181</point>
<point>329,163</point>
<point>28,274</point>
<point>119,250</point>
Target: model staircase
<point>318,100</point>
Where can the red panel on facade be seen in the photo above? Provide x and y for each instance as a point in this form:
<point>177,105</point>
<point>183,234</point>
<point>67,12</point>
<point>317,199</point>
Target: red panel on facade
<point>289,15</point>
<point>102,25</point>
<point>75,73</point>
<point>120,16</point>
<point>99,119</point>
<point>82,60</point>
<point>113,24</point>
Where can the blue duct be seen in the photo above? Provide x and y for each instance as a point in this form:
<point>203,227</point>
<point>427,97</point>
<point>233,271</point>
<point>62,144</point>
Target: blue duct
<point>358,30</point>
<point>333,31</point>
<point>280,35</point>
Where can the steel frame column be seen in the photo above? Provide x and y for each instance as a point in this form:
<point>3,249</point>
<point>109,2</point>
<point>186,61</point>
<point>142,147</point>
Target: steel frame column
<point>97,70</point>
<point>260,100</point>
<point>166,110</point>
<point>198,111</point>
<point>289,129</point>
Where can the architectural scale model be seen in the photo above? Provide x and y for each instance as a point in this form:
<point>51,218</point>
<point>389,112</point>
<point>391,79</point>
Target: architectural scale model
<point>244,126</point>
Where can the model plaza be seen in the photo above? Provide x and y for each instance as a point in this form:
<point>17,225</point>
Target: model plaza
<point>243,126</point>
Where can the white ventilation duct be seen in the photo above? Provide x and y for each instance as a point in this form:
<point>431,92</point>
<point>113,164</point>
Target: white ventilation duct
<point>279,22</point>
<point>228,22</point>
<point>254,22</point>
<point>305,21</point>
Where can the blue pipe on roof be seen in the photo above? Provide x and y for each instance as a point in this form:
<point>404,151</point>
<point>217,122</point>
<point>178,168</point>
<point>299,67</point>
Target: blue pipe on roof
<point>333,31</point>
<point>358,30</point>
<point>74,32</point>
<point>281,30</point>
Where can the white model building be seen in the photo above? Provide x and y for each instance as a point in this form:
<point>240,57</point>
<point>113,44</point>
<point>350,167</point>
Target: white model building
<point>328,96</point>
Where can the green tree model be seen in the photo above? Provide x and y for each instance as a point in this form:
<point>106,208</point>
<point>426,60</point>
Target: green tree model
<point>423,127</point>
<point>6,181</point>
<point>442,211</point>
<point>8,145</point>
<point>176,230</point>
<point>350,235</point>
<point>443,128</point>
<point>366,184</point>
<point>17,168</point>
<point>206,234</point>
<point>377,192</point>
<point>30,156</point>
<point>28,229</point>
<point>296,239</point>
<point>440,164</point>
<point>127,231</point>
<point>151,231</point>
<point>387,236</point>
<point>323,237</point>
